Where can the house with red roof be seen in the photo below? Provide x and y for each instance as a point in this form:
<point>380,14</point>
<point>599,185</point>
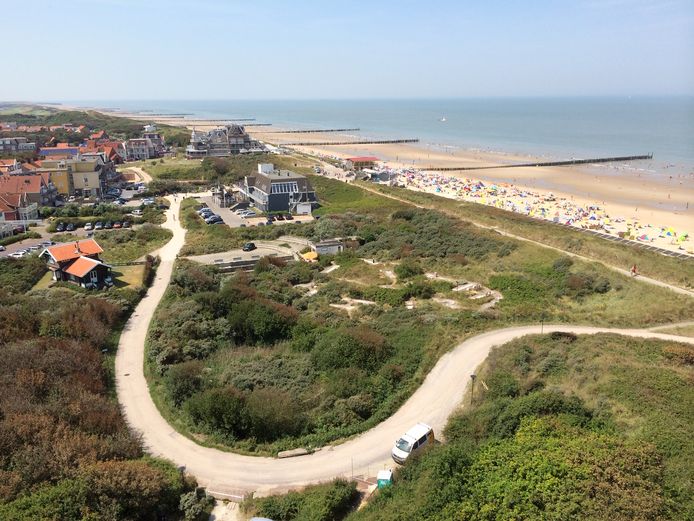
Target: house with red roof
<point>37,188</point>
<point>101,134</point>
<point>10,167</point>
<point>78,262</point>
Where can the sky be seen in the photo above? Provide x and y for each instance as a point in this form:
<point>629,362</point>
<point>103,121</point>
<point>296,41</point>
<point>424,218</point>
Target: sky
<point>305,49</point>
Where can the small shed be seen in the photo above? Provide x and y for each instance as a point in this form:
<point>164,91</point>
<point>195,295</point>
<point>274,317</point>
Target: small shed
<point>361,162</point>
<point>328,247</point>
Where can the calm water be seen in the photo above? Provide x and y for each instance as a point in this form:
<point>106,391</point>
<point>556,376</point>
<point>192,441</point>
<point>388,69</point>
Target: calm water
<point>551,127</point>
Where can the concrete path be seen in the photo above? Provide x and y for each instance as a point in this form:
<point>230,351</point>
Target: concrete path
<point>228,475</point>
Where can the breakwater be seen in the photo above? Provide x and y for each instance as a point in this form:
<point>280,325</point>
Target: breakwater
<point>314,130</point>
<point>541,163</point>
<point>330,143</point>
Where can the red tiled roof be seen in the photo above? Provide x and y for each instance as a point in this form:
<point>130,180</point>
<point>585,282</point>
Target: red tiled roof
<point>9,202</point>
<point>82,266</point>
<point>362,159</point>
<point>73,250</point>
<point>19,184</point>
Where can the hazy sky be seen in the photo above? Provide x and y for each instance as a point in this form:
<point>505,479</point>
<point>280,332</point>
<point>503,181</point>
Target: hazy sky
<point>214,49</point>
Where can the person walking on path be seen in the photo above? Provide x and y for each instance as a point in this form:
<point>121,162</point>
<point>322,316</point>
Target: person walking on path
<point>634,271</point>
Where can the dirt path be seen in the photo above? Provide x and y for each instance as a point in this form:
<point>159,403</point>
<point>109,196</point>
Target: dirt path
<point>228,475</point>
<point>144,176</point>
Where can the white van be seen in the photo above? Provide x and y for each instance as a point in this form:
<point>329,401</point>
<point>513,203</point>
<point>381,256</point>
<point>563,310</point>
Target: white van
<point>419,436</point>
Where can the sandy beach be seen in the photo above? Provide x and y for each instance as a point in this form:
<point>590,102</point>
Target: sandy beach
<point>639,198</point>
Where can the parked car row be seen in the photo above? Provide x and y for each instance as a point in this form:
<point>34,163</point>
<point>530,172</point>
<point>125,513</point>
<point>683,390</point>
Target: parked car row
<point>246,213</point>
<point>207,215</point>
<point>30,250</point>
<point>99,225</point>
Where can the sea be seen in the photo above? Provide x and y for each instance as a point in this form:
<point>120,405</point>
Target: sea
<point>552,128</point>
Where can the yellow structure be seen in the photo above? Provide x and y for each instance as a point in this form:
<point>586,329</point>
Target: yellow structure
<point>69,175</point>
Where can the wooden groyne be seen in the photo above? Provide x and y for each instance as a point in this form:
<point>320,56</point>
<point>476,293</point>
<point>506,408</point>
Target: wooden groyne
<point>258,125</point>
<point>157,115</point>
<point>314,130</point>
<point>378,142</point>
<point>542,163</point>
<point>203,120</point>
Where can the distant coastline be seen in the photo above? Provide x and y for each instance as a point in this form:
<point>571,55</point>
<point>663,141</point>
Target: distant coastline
<point>653,195</point>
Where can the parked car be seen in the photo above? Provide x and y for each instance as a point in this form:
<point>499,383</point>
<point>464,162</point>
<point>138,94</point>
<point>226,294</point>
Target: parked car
<point>136,212</point>
<point>288,217</point>
<point>249,246</point>
<point>88,226</point>
<point>126,224</point>
<point>60,227</point>
<point>213,218</point>
<point>2,248</point>
<point>46,244</point>
<point>99,225</point>
<point>414,440</point>
<point>18,254</point>
<point>117,224</point>
<point>279,217</point>
<point>70,227</point>
<point>203,209</point>
<point>108,225</point>
<point>206,214</point>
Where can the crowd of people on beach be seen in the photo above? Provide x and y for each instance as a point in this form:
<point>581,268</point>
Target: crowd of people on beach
<point>542,206</point>
<point>533,204</point>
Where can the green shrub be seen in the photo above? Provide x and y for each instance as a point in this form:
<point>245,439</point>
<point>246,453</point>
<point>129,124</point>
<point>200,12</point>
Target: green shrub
<point>327,502</point>
<point>222,410</point>
<point>183,380</point>
<point>407,269</point>
<point>359,347</point>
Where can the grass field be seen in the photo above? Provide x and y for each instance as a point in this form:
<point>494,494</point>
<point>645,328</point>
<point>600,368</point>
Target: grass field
<point>128,276</point>
<point>44,281</point>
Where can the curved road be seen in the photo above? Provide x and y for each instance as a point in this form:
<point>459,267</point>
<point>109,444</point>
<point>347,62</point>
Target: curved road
<point>226,474</point>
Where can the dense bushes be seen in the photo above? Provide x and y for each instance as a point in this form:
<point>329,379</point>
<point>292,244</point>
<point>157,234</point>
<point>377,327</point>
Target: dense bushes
<point>432,234</point>
<point>359,347</point>
<point>20,275</point>
<point>65,452</point>
<point>19,237</point>
<point>318,503</point>
<point>524,453</point>
<point>264,413</point>
<point>234,356</point>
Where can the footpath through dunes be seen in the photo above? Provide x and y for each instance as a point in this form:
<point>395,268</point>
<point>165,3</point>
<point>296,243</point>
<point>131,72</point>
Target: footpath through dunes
<point>229,475</point>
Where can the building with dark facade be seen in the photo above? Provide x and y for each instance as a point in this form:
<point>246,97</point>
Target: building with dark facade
<point>221,142</point>
<point>272,190</point>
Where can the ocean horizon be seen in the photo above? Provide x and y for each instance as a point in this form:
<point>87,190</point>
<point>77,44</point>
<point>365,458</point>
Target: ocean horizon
<point>547,127</point>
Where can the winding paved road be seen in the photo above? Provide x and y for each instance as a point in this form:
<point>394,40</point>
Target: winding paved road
<point>226,474</point>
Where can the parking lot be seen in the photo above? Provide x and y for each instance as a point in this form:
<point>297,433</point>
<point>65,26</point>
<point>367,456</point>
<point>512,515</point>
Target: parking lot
<point>235,221</point>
